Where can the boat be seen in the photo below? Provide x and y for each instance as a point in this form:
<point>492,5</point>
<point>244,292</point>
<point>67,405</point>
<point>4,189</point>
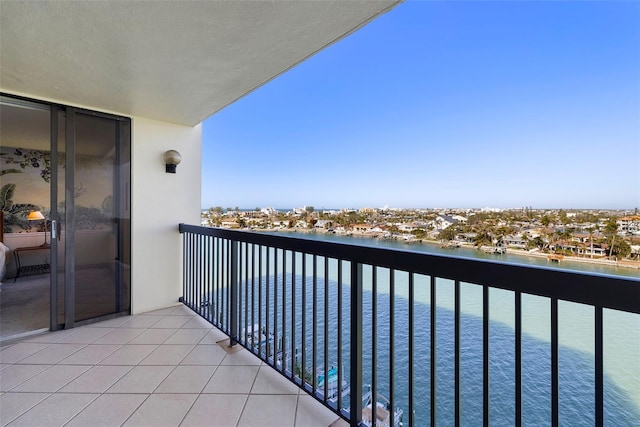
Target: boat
<point>383,412</point>
<point>257,340</point>
<point>555,257</point>
<point>450,245</point>
<point>332,385</point>
<point>498,250</point>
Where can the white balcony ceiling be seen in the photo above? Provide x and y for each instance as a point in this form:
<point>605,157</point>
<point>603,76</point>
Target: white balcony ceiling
<point>175,61</point>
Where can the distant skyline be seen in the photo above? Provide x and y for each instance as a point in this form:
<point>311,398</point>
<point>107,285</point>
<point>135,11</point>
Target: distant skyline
<point>445,104</point>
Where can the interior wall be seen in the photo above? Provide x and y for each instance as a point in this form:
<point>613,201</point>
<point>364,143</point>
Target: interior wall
<point>160,201</point>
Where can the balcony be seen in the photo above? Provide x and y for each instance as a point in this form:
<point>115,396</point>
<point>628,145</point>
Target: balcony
<point>471,358</point>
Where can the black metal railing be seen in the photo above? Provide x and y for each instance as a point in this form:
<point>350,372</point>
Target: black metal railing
<point>428,339</point>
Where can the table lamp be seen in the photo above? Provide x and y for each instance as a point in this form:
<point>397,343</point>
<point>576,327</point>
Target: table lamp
<point>37,216</point>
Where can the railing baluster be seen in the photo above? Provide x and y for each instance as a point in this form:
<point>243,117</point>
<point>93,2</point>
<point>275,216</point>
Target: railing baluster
<point>234,293</point>
<point>194,264</point>
<point>293,316</point>
<point>339,361</point>
<point>411,348</point>
<point>253,296</point>
<point>356,345</point>
<point>229,285</point>
<point>186,273</point>
<point>207,282</point>
<point>284,310</point>
<point>303,338</point>
<point>554,363</point>
<point>518,361</point>
<point>314,322</point>
<point>456,352</point>
<point>185,265</point>
<point>432,349</point>
<point>219,267</point>
<point>599,366</point>
<point>268,302</point>
<point>276,338</point>
<point>198,290</point>
<point>485,355</point>
<point>326,328</point>
<point>191,271</point>
<point>260,303</point>
<point>374,338</point>
<point>392,346</point>
<point>246,331</point>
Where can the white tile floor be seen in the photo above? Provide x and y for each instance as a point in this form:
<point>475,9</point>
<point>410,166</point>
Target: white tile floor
<point>163,368</point>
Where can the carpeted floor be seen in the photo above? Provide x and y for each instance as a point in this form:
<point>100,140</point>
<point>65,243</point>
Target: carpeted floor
<point>24,305</point>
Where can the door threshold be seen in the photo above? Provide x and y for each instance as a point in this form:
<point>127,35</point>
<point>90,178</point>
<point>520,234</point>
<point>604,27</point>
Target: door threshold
<point>23,335</point>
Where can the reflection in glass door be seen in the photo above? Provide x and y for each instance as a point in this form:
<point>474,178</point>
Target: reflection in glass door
<point>96,216</point>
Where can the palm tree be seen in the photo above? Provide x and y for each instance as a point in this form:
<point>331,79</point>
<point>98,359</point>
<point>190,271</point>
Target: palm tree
<point>483,235</point>
<point>591,230</point>
<point>611,229</point>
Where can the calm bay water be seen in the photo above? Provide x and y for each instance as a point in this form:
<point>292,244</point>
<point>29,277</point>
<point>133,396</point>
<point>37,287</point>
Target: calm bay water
<point>622,345</point>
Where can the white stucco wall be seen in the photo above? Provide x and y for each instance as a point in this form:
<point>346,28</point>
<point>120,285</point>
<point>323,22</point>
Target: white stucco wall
<point>159,202</point>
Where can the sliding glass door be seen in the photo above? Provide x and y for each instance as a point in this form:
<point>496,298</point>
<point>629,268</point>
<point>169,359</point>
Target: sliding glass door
<point>96,216</point>
<point>74,168</point>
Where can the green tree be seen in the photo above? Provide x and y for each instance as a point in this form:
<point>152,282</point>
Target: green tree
<point>448,233</point>
<point>562,215</point>
<point>545,220</point>
<point>611,230</point>
<point>483,237</point>
<point>620,249</point>
<point>538,242</point>
<point>419,233</point>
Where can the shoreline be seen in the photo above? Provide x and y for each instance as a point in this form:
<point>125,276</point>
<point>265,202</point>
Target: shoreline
<point>512,251</point>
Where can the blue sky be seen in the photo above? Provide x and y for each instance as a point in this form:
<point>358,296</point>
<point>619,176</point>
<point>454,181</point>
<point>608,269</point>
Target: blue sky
<point>445,104</point>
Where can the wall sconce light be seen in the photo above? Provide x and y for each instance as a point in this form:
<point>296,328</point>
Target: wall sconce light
<point>172,158</point>
<point>37,216</point>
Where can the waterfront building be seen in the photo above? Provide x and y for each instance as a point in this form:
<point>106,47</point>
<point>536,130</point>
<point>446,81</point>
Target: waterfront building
<point>629,224</point>
<point>269,211</point>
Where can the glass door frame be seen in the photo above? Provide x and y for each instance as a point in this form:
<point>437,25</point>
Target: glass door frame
<point>122,201</point>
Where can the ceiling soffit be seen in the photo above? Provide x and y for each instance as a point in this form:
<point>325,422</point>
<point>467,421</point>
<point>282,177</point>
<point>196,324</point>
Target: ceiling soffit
<point>173,61</point>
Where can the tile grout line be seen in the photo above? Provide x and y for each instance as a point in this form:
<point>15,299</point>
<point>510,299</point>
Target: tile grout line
<point>244,407</point>
<point>30,408</point>
<point>103,393</point>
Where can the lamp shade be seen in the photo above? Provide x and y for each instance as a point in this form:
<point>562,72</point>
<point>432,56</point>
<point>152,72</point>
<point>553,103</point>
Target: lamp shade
<point>35,216</point>
<point>171,158</point>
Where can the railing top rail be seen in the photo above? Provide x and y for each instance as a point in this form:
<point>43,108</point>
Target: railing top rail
<point>615,292</point>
